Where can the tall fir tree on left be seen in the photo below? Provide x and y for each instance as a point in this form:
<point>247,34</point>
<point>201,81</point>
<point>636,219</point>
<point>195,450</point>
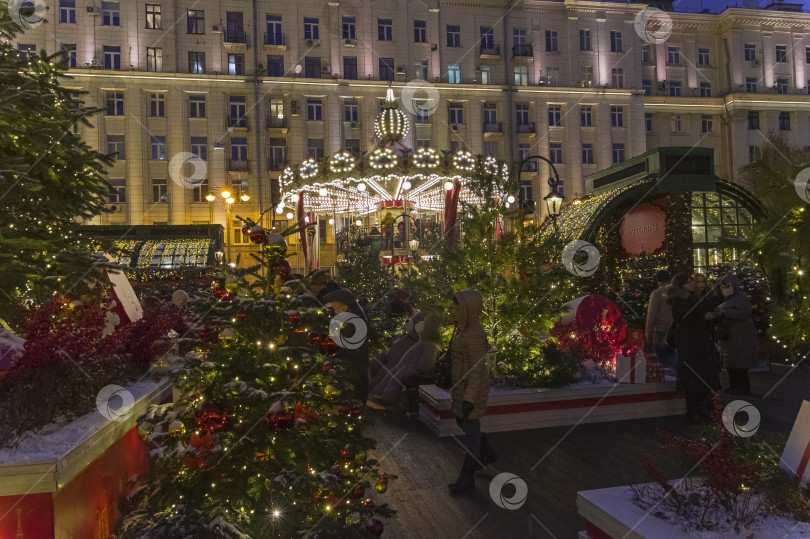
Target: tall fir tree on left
<point>49,178</point>
<point>265,440</point>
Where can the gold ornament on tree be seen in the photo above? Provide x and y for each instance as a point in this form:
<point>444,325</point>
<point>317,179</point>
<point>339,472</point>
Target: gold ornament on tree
<point>177,428</point>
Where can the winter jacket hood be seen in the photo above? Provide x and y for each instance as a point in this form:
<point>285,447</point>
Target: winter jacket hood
<point>470,305</point>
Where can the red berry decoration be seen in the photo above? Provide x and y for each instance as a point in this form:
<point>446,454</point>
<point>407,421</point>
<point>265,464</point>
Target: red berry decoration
<point>210,417</point>
<point>384,479</point>
<point>368,504</point>
<point>376,528</point>
<point>358,492</point>
<point>280,421</point>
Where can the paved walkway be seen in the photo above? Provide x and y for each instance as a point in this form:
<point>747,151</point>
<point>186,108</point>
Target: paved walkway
<point>554,462</point>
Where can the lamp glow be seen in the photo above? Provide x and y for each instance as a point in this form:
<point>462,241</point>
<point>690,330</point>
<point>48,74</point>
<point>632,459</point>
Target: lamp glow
<point>448,185</point>
<point>406,185</point>
<point>361,186</point>
<point>510,199</point>
<point>210,197</point>
<point>289,215</point>
<point>331,221</point>
<point>279,210</point>
<point>359,222</point>
<point>245,197</point>
<point>226,194</point>
<point>230,200</point>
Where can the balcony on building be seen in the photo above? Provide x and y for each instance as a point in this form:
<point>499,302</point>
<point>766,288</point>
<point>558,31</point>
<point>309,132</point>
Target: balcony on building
<point>489,52</point>
<point>276,125</point>
<point>276,165</point>
<point>235,36</point>
<point>274,39</point>
<point>523,51</point>
<point>236,165</point>
<point>238,121</point>
<point>528,129</point>
<point>492,129</point>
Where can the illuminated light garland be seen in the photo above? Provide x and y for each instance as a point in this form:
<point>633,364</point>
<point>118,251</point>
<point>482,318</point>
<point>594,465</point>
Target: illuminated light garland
<point>491,165</point>
<point>383,158</point>
<point>426,158</point>
<point>309,168</point>
<point>464,160</point>
<point>342,162</point>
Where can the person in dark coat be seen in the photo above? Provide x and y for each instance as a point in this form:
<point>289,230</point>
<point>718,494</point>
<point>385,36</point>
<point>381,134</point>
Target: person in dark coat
<point>737,335</point>
<point>469,376</point>
<point>352,352</point>
<point>698,365</point>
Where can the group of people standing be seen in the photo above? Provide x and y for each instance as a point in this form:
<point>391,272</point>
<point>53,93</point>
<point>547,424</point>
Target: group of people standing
<point>698,330</point>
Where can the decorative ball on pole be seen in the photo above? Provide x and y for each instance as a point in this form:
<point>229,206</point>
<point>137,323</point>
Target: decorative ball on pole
<point>391,125</point>
<point>553,200</point>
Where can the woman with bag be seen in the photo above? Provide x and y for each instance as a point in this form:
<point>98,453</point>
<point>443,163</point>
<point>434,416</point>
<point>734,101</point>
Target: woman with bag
<point>698,372</point>
<point>737,335</point>
<point>469,377</point>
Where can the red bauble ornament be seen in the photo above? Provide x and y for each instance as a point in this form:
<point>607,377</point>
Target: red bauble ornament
<point>348,456</point>
<point>376,528</point>
<point>328,347</point>
<point>327,366</point>
<point>368,504</point>
<point>334,470</point>
<point>294,317</point>
<point>358,492</point>
<point>210,416</point>
<point>280,421</point>
<point>345,408</point>
<point>258,235</point>
<point>246,230</point>
<point>356,410</point>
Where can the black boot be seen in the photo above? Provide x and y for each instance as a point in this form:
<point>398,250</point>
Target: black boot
<point>692,416</point>
<point>487,453</point>
<point>466,479</point>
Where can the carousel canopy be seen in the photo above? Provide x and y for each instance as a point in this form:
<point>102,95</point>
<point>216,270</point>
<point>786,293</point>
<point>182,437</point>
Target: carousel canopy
<point>344,183</point>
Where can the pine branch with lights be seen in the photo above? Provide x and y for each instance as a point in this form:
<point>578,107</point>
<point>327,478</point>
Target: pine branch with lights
<point>262,442</point>
<point>780,242</point>
<point>50,178</point>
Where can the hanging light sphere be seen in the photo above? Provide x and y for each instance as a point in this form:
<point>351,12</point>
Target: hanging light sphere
<point>361,186</point>
<point>289,215</point>
<point>510,199</point>
<point>331,221</point>
<point>448,185</point>
<point>322,191</point>
<point>280,210</point>
<point>406,185</point>
<point>359,222</point>
<point>391,124</point>
<point>306,219</point>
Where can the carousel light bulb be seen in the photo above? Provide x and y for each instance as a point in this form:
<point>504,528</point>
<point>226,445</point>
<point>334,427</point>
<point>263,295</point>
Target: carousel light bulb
<point>322,191</point>
<point>510,199</point>
<point>361,186</point>
<point>289,215</point>
<point>406,185</point>
<point>448,185</point>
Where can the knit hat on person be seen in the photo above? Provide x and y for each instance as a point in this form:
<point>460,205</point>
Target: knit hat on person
<point>662,276</point>
<point>342,295</point>
<point>729,278</point>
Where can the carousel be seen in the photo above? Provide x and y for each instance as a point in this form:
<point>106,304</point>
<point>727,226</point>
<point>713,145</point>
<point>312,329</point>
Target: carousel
<point>392,191</point>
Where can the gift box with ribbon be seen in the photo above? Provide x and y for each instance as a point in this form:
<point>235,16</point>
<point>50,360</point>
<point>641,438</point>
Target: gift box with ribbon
<point>655,372</point>
<point>631,369</point>
<point>796,456</point>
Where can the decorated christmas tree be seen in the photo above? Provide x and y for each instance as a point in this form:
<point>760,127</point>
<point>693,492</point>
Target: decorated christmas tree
<point>264,440</point>
<point>50,178</point>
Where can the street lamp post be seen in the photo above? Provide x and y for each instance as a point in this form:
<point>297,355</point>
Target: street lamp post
<point>553,200</point>
<point>229,199</point>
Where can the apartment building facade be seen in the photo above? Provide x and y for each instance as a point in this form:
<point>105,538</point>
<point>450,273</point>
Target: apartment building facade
<point>248,86</point>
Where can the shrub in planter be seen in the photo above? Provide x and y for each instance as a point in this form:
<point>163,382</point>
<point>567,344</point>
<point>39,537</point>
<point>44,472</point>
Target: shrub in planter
<point>69,355</point>
<point>545,365</point>
<point>738,481</point>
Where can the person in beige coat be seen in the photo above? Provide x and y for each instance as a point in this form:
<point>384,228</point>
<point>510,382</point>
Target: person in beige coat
<point>469,376</point>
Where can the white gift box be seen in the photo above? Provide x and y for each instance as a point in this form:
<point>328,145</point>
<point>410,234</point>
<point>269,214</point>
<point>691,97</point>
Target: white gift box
<point>796,456</point>
<point>631,370</point>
